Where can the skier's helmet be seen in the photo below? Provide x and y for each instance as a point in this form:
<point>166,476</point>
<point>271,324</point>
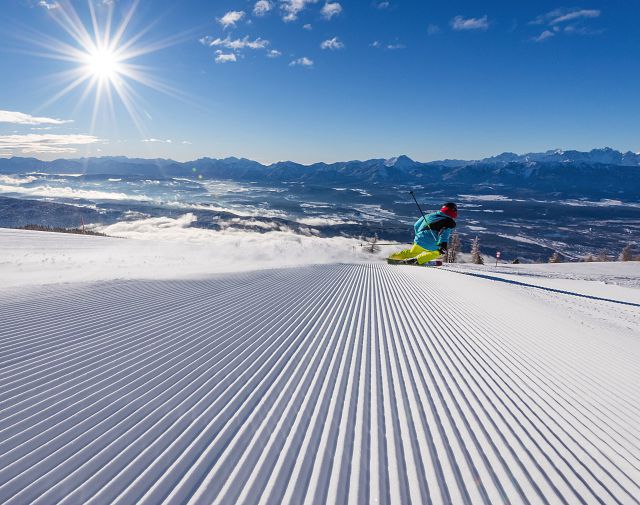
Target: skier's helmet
<point>450,209</point>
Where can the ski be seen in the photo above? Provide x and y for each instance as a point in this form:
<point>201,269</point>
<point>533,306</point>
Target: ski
<point>413,262</point>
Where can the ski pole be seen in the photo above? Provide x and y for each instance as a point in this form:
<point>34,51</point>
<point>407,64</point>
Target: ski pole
<point>419,208</point>
<point>423,216</point>
<point>383,243</point>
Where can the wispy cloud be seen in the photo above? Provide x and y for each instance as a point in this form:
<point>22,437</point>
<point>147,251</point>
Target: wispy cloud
<point>547,34</point>
<point>558,16</point>
<point>157,141</point>
<point>292,8</point>
<point>308,27</point>
<point>225,57</point>
<point>332,44</point>
<point>569,21</point>
<point>48,5</point>
<point>7,116</point>
<point>461,23</point>
<point>44,143</point>
<point>433,29</point>
<point>302,62</point>
<point>235,44</point>
<point>331,9</point>
<point>382,5</point>
<point>581,30</point>
<point>391,47</point>
<point>262,7</point>
<point>274,53</point>
<point>231,18</point>
<point>572,16</point>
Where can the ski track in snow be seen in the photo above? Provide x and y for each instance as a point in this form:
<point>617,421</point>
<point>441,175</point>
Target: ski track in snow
<point>321,384</point>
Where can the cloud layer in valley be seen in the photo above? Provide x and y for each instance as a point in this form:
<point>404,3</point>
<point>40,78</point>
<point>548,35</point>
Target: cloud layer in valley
<point>70,193</point>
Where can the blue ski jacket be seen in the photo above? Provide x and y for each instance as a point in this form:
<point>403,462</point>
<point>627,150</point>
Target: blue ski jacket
<point>435,233</point>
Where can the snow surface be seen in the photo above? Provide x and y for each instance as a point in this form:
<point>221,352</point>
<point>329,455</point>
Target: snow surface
<point>337,383</point>
<point>596,277</point>
<point>158,248</point>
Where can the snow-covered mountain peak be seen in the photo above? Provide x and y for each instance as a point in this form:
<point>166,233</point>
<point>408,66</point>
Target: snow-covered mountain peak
<point>399,162</point>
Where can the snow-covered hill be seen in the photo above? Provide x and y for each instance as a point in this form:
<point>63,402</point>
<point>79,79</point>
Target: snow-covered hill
<point>337,383</point>
<point>161,248</point>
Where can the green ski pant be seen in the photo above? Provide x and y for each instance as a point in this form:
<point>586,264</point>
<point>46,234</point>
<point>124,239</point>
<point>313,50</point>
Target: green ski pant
<point>420,253</point>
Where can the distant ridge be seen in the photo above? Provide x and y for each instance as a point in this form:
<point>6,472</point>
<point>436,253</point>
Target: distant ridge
<point>597,174</point>
<point>605,155</point>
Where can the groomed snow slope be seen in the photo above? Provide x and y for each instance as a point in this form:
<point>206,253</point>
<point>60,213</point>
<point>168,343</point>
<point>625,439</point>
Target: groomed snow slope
<point>589,274</point>
<point>321,384</point>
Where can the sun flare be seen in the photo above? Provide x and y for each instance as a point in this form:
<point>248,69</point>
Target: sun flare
<point>103,56</point>
<point>103,64</point>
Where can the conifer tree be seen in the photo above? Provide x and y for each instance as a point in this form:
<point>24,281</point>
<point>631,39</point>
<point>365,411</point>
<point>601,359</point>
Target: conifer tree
<point>476,257</point>
<point>626,254</point>
<point>453,249</point>
<point>556,257</point>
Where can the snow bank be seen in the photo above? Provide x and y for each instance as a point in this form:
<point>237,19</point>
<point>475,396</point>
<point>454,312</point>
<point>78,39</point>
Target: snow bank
<point>159,248</point>
<point>620,280</point>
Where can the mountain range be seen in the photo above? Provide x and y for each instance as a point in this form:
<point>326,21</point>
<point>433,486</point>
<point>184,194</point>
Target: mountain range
<point>605,156</point>
<point>600,173</point>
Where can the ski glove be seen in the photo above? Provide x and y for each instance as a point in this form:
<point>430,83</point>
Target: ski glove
<point>442,248</point>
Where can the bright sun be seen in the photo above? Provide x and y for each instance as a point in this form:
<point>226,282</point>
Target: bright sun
<point>102,56</point>
<point>103,64</point>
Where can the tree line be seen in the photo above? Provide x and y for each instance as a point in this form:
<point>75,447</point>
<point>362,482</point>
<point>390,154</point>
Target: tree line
<point>455,246</point>
<point>58,229</point>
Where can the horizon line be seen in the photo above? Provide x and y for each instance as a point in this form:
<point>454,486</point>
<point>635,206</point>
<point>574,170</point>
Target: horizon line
<point>360,160</point>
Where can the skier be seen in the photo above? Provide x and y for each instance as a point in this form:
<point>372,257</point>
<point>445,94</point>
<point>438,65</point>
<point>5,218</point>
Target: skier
<point>431,237</point>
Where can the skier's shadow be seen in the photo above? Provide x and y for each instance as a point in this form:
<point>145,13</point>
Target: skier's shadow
<point>553,290</point>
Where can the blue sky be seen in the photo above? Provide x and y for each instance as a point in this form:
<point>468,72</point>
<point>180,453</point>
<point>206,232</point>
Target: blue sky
<point>323,80</point>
